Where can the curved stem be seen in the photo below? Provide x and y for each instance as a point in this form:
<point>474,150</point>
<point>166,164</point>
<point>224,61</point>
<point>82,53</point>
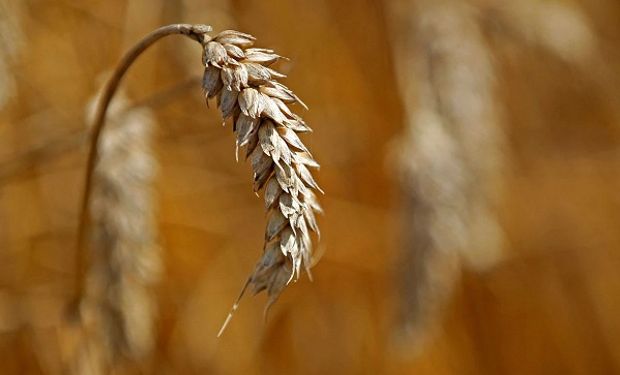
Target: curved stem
<point>196,32</point>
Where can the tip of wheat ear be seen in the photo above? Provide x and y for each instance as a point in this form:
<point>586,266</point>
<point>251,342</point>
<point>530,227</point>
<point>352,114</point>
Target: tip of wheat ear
<point>247,91</point>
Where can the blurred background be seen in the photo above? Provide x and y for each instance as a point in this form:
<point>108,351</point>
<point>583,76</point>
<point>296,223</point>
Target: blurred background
<point>469,153</point>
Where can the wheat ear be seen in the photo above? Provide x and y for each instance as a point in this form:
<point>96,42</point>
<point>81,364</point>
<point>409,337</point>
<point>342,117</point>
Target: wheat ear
<point>248,93</point>
<point>246,90</point>
<point>451,158</point>
<point>118,310</point>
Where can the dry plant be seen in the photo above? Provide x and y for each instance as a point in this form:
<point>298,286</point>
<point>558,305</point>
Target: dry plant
<point>115,309</point>
<point>450,156</point>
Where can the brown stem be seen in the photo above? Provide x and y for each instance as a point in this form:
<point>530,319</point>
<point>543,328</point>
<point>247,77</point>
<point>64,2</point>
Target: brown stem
<point>196,32</point>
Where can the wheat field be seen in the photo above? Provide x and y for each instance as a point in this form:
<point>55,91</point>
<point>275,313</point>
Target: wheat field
<point>469,155</point>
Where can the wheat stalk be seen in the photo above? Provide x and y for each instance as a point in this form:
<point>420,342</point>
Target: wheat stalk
<point>246,90</point>
<point>451,156</point>
<point>117,308</point>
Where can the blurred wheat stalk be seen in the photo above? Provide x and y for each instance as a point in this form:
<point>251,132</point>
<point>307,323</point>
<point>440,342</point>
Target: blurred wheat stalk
<point>116,310</point>
<point>452,154</point>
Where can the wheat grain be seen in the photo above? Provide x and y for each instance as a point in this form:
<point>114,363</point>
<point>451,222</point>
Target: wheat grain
<point>248,92</point>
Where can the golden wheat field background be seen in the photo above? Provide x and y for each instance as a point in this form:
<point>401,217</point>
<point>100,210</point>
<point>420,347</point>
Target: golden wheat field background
<point>470,158</point>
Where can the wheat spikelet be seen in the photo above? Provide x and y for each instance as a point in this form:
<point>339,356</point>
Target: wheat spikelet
<point>247,91</point>
<point>451,156</point>
<point>118,311</point>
